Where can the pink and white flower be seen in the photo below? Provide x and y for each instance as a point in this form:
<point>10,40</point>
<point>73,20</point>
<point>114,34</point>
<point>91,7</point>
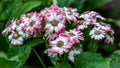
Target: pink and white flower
<point>16,38</point>
<point>60,45</point>
<point>74,35</point>
<point>91,15</point>
<point>15,25</point>
<point>83,24</point>
<point>52,37</point>
<point>109,39</point>
<point>54,23</point>
<point>32,22</point>
<point>97,34</point>
<point>103,26</point>
<point>7,30</point>
<point>70,14</point>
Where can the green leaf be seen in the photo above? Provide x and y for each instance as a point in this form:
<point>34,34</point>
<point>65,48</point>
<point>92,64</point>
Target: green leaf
<point>80,5</point>
<point>2,54</point>
<point>21,54</point>
<point>4,63</point>
<point>63,65</point>
<point>18,53</point>
<point>117,22</point>
<point>3,44</point>
<point>23,8</point>
<point>115,59</point>
<point>108,47</point>
<point>31,42</point>
<point>63,3</point>
<point>1,7</point>
<point>92,4</point>
<point>12,5</point>
<point>91,60</point>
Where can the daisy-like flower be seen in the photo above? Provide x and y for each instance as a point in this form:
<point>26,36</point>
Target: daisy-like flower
<point>97,34</point>
<point>16,38</point>
<point>54,23</point>
<point>103,26</point>
<point>94,15</point>
<point>60,45</point>
<point>91,15</point>
<point>15,25</point>
<point>32,22</point>
<point>83,24</point>
<point>74,35</point>
<point>7,30</point>
<point>52,37</point>
<point>73,53</point>
<point>70,14</point>
<point>110,37</point>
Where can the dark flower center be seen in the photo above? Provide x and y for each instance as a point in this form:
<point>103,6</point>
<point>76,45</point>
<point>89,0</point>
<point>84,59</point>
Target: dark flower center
<point>71,34</point>
<point>103,24</point>
<point>97,32</point>
<point>32,23</point>
<point>86,12</point>
<point>60,43</point>
<point>54,22</point>
<point>81,22</point>
<point>15,35</point>
<point>28,15</point>
<point>18,22</point>
<point>70,13</point>
<point>110,33</point>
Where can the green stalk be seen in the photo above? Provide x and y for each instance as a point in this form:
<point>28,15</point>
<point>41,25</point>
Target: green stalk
<point>65,57</point>
<point>39,58</point>
<point>55,2</point>
<point>93,46</point>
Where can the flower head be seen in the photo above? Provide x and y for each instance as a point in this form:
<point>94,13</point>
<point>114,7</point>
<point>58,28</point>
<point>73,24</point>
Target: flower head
<point>83,24</point>
<point>91,15</point>
<point>70,14</point>
<point>32,22</point>
<point>109,39</point>
<point>74,35</point>
<point>60,45</point>
<point>14,25</point>
<point>54,20</point>
<point>103,26</point>
<point>97,33</point>
<point>16,38</point>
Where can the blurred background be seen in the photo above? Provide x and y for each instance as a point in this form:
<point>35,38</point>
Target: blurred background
<point>9,9</point>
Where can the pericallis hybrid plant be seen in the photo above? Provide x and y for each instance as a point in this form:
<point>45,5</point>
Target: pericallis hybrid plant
<point>65,30</point>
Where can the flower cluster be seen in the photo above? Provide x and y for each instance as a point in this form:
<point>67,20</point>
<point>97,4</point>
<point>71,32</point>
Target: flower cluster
<point>22,28</point>
<point>53,21</point>
<point>100,29</point>
<point>65,40</point>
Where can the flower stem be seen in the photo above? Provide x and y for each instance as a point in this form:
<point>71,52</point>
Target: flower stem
<point>93,46</point>
<point>55,2</point>
<point>39,58</point>
<point>65,58</point>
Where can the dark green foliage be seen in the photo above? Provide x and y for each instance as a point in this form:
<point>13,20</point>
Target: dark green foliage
<point>91,60</point>
<point>115,59</point>
<point>16,56</point>
<point>63,65</point>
